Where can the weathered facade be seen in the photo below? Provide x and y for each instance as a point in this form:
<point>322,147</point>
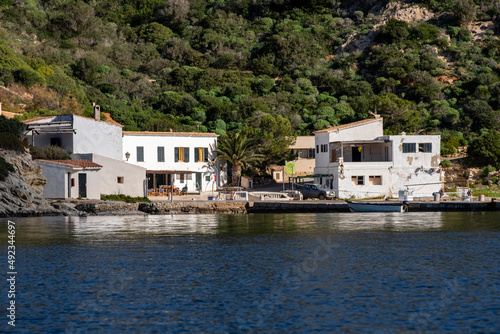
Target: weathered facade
<point>357,160</point>
<point>86,139</point>
<point>71,179</point>
<point>77,134</point>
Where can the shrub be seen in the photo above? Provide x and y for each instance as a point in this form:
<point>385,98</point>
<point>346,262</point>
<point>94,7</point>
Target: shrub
<point>485,150</point>
<point>10,141</point>
<point>11,126</point>
<point>393,31</point>
<point>488,169</point>
<point>445,163</point>
<point>49,153</point>
<point>124,198</point>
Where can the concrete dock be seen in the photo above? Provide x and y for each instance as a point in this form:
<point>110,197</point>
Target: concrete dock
<point>241,207</point>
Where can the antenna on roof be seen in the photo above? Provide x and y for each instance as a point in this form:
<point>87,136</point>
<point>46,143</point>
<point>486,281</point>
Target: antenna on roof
<point>374,114</point>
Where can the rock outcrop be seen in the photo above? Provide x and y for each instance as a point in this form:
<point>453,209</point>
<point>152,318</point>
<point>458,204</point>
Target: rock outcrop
<point>21,191</point>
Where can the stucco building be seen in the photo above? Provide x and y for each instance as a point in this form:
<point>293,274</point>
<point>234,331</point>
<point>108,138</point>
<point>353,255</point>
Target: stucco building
<point>71,179</point>
<point>175,158</point>
<point>86,139</point>
<point>358,160</point>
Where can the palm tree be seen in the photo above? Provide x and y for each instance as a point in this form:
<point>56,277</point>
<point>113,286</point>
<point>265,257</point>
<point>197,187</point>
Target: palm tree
<point>237,149</point>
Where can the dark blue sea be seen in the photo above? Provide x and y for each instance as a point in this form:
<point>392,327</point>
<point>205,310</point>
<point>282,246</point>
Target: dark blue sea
<point>257,273</point>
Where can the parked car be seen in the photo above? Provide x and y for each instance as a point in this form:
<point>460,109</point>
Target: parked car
<point>316,191</point>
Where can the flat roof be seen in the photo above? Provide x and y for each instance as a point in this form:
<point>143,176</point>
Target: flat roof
<point>172,133</point>
<point>351,125</point>
<point>68,118</point>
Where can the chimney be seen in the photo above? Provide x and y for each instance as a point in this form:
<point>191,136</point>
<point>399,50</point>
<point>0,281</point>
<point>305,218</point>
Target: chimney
<point>97,112</point>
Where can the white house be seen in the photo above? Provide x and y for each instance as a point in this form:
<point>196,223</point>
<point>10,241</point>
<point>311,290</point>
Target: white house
<point>77,134</point>
<point>71,179</point>
<point>357,160</point>
<point>86,139</point>
<point>118,177</point>
<point>178,158</point>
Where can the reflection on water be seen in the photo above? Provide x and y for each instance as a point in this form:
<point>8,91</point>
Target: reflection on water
<point>371,272</point>
<point>95,227</point>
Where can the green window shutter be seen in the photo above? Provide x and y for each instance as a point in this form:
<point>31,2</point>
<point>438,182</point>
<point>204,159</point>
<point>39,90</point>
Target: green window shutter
<point>186,154</point>
<point>161,154</point>
<point>176,154</point>
<point>205,153</point>
<point>196,155</point>
<point>140,153</point>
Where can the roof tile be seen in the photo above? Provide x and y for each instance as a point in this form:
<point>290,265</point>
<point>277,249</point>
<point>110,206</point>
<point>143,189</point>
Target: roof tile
<point>72,163</point>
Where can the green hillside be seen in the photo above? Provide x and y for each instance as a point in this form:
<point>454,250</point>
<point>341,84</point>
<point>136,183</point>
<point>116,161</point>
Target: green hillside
<point>269,68</point>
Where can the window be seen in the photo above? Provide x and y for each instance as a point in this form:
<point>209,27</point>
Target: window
<point>375,180</point>
<point>182,154</point>
<point>161,154</point>
<point>55,141</point>
<point>358,180</point>
<point>317,148</point>
<point>409,147</point>
<point>207,178</point>
<point>425,147</point>
<point>119,179</point>
<point>333,157</point>
<point>140,154</point>
<point>200,154</point>
<point>181,178</point>
<point>311,153</point>
<point>324,147</point>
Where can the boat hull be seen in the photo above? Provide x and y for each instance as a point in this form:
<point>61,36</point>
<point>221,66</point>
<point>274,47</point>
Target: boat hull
<point>375,207</point>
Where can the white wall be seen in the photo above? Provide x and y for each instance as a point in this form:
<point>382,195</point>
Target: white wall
<point>419,171</point>
<point>91,136</point>
<point>97,137</point>
<point>58,181</point>
<point>423,183</point>
<point>93,183</point>
<point>134,177</point>
<point>322,158</point>
<point>363,130</point>
<point>417,159</point>
<point>151,141</point>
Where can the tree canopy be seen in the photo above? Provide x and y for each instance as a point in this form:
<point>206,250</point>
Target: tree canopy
<point>289,66</point>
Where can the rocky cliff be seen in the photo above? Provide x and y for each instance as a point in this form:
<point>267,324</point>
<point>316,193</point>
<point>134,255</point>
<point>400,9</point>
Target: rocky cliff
<point>21,191</point>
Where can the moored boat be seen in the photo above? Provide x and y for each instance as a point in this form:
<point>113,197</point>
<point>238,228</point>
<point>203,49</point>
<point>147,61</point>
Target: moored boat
<point>357,206</point>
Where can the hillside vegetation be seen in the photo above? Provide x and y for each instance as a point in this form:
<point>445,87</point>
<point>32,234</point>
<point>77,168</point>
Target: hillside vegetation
<point>268,68</point>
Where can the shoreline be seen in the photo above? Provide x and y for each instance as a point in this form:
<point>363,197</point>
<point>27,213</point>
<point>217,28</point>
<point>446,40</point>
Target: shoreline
<point>115,208</point>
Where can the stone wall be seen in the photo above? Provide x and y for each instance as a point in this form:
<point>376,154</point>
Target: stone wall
<point>114,208</point>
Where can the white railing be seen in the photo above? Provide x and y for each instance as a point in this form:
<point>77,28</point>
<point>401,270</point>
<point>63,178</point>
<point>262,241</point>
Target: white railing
<point>273,196</point>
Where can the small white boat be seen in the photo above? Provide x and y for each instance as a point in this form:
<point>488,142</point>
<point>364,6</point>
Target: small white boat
<point>356,206</point>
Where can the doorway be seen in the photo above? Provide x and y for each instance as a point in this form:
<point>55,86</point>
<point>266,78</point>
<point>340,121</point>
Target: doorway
<point>82,185</point>
<point>198,181</point>
<point>356,154</point>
